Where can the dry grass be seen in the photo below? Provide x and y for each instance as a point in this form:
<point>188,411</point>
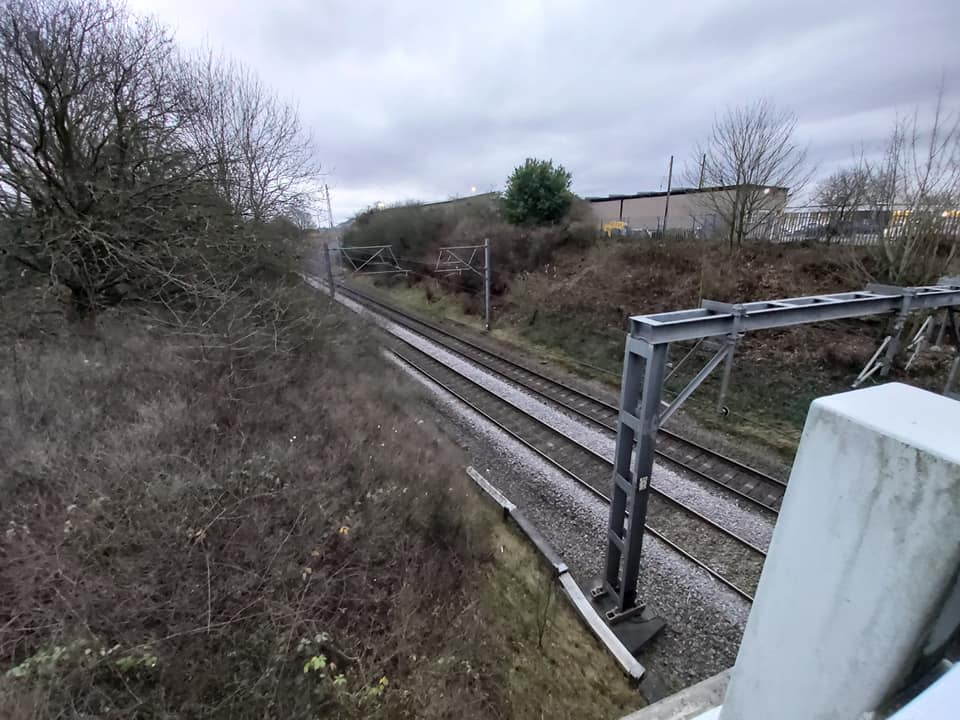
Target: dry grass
<point>553,668</point>
<point>250,517</point>
<point>191,514</point>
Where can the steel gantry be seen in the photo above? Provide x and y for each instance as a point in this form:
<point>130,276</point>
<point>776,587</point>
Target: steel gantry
<point>642,410</point>
<point>371,259</point>
<point>455,259</point>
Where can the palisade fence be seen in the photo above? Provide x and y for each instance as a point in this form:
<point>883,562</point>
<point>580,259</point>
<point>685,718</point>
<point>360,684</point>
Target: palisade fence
<point>800,224</point>
<point>860,226</point>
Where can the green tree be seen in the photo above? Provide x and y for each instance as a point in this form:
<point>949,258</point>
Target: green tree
<point>537,192</point>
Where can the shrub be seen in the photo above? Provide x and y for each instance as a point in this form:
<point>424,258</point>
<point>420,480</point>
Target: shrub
<point>234,516</point>
<point>413,230</point>
<point>537,192</point>
<point>409,229</point>
<point>130,170</point>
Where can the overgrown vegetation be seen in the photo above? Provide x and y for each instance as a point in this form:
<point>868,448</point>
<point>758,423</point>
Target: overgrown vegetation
<point>243,513</point>
<point>218,499</point>
<point>415,232</point>
<point>128,170</point>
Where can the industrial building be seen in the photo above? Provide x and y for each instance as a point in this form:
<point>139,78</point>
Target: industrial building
<point>692,210</point>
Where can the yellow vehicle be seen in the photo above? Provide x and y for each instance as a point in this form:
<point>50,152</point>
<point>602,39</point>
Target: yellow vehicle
<point>614,226</point>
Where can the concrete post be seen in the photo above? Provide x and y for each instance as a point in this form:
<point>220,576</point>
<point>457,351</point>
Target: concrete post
<point>863,557</point>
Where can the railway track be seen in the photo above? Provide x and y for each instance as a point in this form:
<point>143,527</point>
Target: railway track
<point>732,560</point>
<point>749,484</point>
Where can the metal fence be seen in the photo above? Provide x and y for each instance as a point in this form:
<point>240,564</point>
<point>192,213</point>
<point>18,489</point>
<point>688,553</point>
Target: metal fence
<point>807,224</point>
<point>859,227</point>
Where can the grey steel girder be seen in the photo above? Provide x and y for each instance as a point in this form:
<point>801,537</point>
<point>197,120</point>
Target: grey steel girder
<point>722,318</point>
<point>642,410</point>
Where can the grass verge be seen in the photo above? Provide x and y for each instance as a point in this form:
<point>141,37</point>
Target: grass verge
<point>543,640</point>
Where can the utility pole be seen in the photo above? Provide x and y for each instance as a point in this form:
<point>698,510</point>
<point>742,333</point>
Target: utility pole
<point>666,206</point>
<point>326,191</point>
<point>703,168</point>
<point>326,254</point>
<point>486,282</point>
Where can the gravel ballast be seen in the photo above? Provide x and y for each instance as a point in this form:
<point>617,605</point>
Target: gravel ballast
<point>705,620</point>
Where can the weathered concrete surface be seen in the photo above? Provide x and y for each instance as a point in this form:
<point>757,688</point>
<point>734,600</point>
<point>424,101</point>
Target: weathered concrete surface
<point>866,546</point>
<point>688,703</point>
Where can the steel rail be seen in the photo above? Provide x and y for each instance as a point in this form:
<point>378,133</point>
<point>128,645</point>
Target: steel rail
<point>608,408</point>
<point>698,517</point>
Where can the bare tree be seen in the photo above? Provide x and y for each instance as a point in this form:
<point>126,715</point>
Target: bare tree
<point>915,185</point>
<point>304,219</point>
<point>121,172</point>
<point>260,156</point>
<point>842,195</point>
<point>750,150</point>
<point>95,184</point>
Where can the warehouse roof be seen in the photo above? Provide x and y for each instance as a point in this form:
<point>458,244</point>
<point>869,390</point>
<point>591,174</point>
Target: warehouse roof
<point>677,191</point>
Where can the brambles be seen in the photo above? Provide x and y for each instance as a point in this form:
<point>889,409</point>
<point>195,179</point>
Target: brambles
<point>167,484</point>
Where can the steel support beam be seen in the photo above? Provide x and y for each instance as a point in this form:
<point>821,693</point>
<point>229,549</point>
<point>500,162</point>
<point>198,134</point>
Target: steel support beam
<point>641,414</point>
<point>486,283</point>
<point>696,382</point>
<point>732,341</point>
<point>378,255</point>
<point>632,486</point>
<point>330,282</point>
<point>708,322</point>
<point>452,259</point>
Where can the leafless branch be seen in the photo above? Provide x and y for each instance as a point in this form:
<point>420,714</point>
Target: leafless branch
<point>915,187</point>
<point>126,169</point>
<point>750,150</point>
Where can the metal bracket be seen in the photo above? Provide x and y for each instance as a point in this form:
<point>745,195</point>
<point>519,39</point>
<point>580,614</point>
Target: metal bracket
<point>614,616</point>
<point>373,256</point>
<point>920,341</point>
<point>954,322</point>
<point>732,341</point>
<point>694,383</point>
<point>872,364</point>
<point>898,323</point>
<point>455,260</point>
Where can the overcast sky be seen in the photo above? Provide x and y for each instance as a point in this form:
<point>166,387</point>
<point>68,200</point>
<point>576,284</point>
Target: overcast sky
<point>410,99</point>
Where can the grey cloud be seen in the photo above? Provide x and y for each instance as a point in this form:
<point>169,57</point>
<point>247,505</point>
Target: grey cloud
<point>425,98</point>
